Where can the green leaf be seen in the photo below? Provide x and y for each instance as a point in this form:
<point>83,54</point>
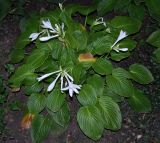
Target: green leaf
<point>115,97</point>
<point>36,103</point>
<point>22,40</point>
<point>141,74</point>
<point>136,11</point>
<point>78,73</point>
<point>55,100</point>
<point>127,24</point>
<point>86,10</point>
<point>119,56</point>
<point>154,38</point>
<point>90,122</point>
<point>77,37</point>
<point>97,83</point>
<point>40,128</point>
<point>105,6</point>
<point>87,95</point>
<point>120,86</point>
<point>61,117</point>
<point>121,6</point>
<point>121,73</point>
<point>156,55</point>
<point>102,44</point>
<point>111,113</point>
<point>153,7</point>
<point>139,102</point>
<point>34,88</point>
<point>37,58</point>
<point>49,65</point>
<point>16,55</point>
<point>4,7</point>
<point>127,43</point>
<point>102,66</point>
<point>20,75</point>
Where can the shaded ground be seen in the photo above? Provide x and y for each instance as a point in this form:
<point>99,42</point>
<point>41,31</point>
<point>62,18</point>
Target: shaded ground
<point>136,128</point>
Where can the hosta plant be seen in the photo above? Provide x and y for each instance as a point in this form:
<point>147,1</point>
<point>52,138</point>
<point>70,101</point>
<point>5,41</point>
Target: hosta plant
<point>68,59</point>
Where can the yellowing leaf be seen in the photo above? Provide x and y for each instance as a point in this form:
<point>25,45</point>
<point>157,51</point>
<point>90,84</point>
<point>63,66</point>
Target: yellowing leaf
<point>27,120</point>
<point>86,57</point>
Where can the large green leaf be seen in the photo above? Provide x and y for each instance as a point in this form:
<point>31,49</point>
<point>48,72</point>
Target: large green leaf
<point>121,73</point>
<point>119,56</point>
<point>153,7</point>
<point>78,73</point>
<point>136,11</point>
<point>36,103</point>
<point>154,38</point>
<point>110,93</point>
<point>97,83</point>
<point>37,58</point>
<point>16,55</point>
<point>120,86</point>
<point>55,100</point>
<point>127,43</point>
<point>111,113</point>
<point>156,55</point>
<point>102,44</point>
<point>105,6</point>
<point>139,102</point>
<point>77,38</point>
<point>141,74</point>
<point>90,122</point>
<point>102,66</point>
<point>127,24</point>
<point>20,75</point>
<point>86,10</point>
<point>4,8</point>
<point>121,6</point>
<point>34,88</point>
<point>87,95</point>
<point>40,128</point>
<point>62,116</point>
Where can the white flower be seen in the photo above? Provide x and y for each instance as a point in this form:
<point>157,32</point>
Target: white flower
<point>120,49</point>
<point>59,30</point>
<point>121,36</point>
<point>64,77</point>
<point>99,21</point>
<point>51,86</point>
<point>60,6</point>
<point>46,38</point>
<point>34,36</point>
<point>47,75</point>
<point>47,24</point>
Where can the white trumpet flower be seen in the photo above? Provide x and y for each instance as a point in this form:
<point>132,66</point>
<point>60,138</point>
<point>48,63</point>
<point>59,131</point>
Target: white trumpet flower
<point>121,36</point>
<point>47,24</point>
<point>71,87</point>
<point>121,49</point>
<point>99,21</point>
<point>46,38</point>
<point>52,32</point>
<point>66,80</point>
<point>34,36</point>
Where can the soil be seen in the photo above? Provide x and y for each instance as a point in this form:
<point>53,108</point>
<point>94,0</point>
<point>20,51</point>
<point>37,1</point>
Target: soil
<point>136,128</point>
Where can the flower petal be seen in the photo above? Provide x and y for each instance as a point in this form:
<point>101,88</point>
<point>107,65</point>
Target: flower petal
<point>121,36</point>
<point>47,38</point>
<point>34,36</point>
<point>51,86</point>
<point>123,49</point>
<point>47,75</point>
